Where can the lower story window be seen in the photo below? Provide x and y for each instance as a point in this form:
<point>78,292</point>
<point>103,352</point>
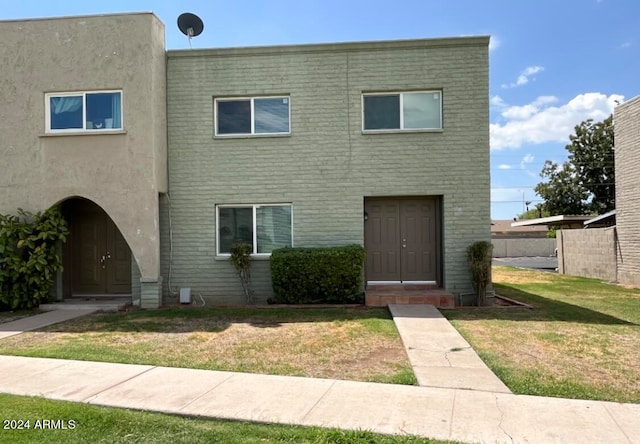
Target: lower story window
<point>265,227</point>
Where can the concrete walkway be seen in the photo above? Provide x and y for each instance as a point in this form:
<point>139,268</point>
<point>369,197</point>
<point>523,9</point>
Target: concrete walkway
<point>487,414</point>
<point>446,414</point>
<point>439,355</point>
<point>41,320</point>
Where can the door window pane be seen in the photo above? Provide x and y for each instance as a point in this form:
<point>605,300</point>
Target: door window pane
<point>271,115</point>
<point>235,225</point>
<point>234,116</point>
<point>421,110</point>
<point>273,224</point>
<point>382,112</point>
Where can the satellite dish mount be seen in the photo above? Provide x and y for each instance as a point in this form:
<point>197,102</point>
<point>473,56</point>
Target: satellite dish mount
<point>190,25</point>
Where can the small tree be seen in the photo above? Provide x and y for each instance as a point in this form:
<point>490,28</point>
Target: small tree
<point>479,258</point>
<point>241,261</point>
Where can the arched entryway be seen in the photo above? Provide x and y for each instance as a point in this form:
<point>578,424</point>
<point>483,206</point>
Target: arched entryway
<point>96,257</point>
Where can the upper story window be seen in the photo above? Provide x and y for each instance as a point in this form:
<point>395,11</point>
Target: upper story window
<point>252,116</point>
<point>84,111</point>
<point>402,111</point>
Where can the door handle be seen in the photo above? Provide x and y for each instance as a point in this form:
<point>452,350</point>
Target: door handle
<point>102,260</point>
<point>108,255</point>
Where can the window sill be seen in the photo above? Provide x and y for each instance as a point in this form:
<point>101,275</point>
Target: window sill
<point>249,136</point>
<point>84,133</point>
<point>398,131</point>
<point>254,257</point>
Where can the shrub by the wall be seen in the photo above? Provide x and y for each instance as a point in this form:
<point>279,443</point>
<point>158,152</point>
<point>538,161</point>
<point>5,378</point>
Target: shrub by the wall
<point>29,257</point>
<point>317,275</point>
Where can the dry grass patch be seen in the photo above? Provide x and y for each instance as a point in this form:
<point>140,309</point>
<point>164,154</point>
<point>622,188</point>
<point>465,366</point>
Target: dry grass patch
<point>505,275</point>
<point>355,344</point>
<point>580,340</point>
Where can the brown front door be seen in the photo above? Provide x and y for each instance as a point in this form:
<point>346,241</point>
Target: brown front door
<point>401,239</point>
<point>101,259</point>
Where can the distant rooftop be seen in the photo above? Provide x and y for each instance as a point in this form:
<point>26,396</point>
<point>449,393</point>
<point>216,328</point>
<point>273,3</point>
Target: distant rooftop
<point>504,226</point>
<point>558,221</point>
<point>605,219</point>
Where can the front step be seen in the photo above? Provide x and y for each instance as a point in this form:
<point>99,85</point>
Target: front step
<point>383,295</point>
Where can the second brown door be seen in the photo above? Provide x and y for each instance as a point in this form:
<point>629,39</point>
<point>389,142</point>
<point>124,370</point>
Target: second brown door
<point>401,239</point>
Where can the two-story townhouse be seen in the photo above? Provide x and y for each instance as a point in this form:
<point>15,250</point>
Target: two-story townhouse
<point>162,160</point>
<point>83,125</point>
<point>382,144</point>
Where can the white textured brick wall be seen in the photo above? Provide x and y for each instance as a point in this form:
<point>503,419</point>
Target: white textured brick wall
<point>627,142</point>
<point>327,166</point>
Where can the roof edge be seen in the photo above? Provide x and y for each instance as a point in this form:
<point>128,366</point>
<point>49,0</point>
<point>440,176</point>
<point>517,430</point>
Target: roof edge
<point>374,45</point>
<point>551,220</point>
<point>83,16</point>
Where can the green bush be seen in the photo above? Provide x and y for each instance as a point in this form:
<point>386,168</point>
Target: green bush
<point>29,257</point>
<point>317,275</point>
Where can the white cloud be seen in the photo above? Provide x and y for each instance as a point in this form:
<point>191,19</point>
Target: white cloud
<point>625,45</point>
<point>504,166</point>
<point>526,111</point>
<point>497,102</point>
<point>524,76</point>
<point>540,122</point>
<point>527,159</point>
<point>494,43</point>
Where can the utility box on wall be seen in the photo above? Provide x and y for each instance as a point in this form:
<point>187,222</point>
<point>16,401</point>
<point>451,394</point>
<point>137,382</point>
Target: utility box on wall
<point>185,295</point>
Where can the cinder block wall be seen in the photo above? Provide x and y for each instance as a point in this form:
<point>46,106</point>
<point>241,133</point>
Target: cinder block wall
<point>627,141</point>
<point>523,247</point>
<point>589,253</point>
<point>327,166</point>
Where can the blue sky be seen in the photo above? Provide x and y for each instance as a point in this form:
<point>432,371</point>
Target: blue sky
<point>554,63</point>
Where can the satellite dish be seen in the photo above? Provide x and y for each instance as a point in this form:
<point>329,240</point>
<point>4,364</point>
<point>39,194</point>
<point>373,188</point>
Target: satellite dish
<point>190,25</point>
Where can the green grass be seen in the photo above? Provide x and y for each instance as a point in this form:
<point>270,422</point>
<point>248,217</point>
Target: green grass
<point>93,424</point>
<point>341,343</point>
<point>580,340</point>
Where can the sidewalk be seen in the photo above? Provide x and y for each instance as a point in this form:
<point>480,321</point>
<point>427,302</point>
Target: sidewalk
<point>485,414</point>
<point>446,414</point>
<point>439,355</point>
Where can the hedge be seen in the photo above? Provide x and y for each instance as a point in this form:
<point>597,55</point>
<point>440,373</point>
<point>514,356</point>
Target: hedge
<point>317,275</point>
<point>29,257</point>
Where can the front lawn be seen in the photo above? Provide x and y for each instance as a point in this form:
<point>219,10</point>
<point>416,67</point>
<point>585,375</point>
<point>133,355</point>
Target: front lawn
<point>581,339</point>
<point>358,344</point>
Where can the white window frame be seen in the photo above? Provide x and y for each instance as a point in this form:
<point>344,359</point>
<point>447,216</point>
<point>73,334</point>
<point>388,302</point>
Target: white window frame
<point>402,128</point>
<point>47,102</point>
<point>253,119</point>
<point>254,252</point>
